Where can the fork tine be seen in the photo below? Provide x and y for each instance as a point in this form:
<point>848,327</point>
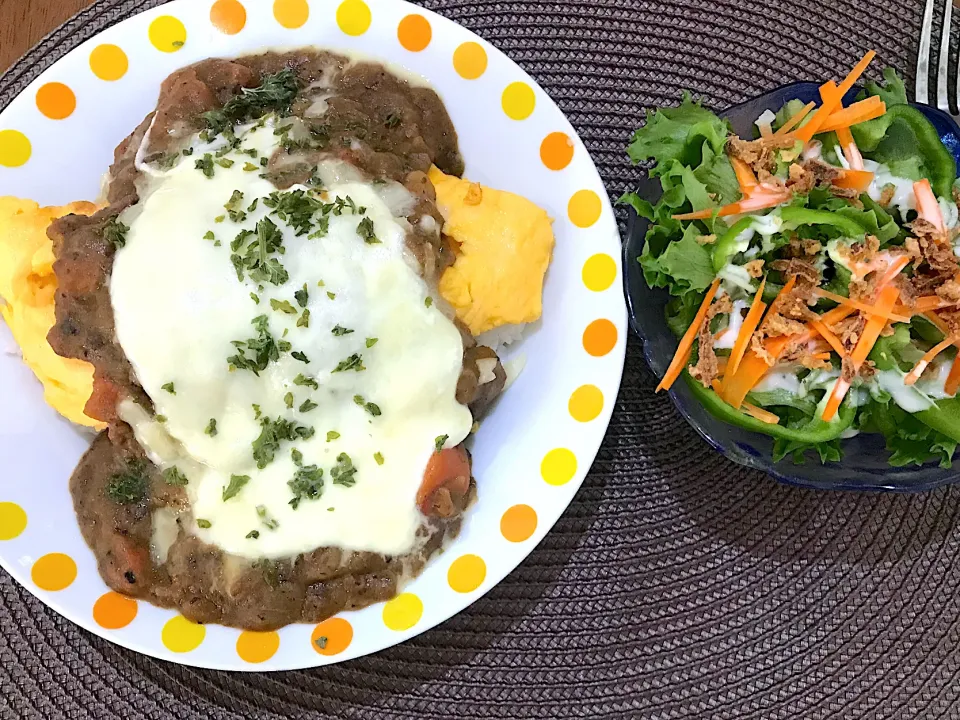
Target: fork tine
<point>923,57</point>
<point>943,96</point>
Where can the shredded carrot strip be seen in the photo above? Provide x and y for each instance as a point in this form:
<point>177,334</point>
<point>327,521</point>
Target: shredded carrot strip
<point>756,200</point>
<point>747,329</point>
<point>722,363</point>
<point>953,379</point>
<point>886,299</point>
<point>835,97</point>
<point>894,269</point>
<point>857,305</point>
<point>821,356</point>
<point>760,414</point>
<point>920,305</point>
<point>850,150</point>
<point>927,358</point>
<point>831,317</point>
<point>795,120</point>
<point>686,343</point>
<point>827,335</point>
<point>858,180</point>
<point>869,109</point>
<point>745,176</point>
<point>927,206</point>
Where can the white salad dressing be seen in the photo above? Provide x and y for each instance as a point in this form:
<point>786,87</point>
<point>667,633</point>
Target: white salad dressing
<point>729,336</point>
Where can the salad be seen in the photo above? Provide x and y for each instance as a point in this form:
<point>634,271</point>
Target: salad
<point>813,269</point>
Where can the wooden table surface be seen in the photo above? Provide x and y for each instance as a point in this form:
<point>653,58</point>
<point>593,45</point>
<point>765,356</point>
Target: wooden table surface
<point>24,22</point>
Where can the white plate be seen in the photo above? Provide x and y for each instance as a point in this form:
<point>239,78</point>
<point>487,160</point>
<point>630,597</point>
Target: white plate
<point>531,454</point>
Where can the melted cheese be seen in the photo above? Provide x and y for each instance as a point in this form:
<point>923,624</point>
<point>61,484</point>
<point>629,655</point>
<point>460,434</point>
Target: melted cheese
<point>179,306</point>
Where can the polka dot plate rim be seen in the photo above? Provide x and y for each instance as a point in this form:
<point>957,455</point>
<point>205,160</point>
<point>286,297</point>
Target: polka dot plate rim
<point>530,456</point>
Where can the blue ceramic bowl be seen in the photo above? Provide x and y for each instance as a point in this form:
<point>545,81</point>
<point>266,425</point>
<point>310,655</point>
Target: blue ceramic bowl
<point>864,465</point>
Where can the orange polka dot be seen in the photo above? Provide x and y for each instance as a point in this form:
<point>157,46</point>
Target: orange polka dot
<point>228,16</point>
<point>56,101</point>
<point>558,466</point>
<point>15,148</point>
<point>180,635</point>
<point>586,403</point>
<point>518,523</point>
<point>332,637</point>
<point>600,337</point>
<point>403,612</point>
<point>599,272</point>
<point>467,573</point>
<point>54,572</point>
<point>257,647</point>
<point>584,208</point>
<point>114,611</point>
<point>291,14</point>
<point>556,150</point>
<point>167,34</point>
<point>518,101</point>
<point>108,62</point>
<point>353,17</point>
<point>470,60</point>
<point>13,520</point>
<point>414,32</point>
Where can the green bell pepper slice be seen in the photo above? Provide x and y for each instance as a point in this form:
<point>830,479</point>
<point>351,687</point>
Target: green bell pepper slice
<point>793,218</point>
<point>939,163</point>
<point>815,431</point>
<point>944,418</point>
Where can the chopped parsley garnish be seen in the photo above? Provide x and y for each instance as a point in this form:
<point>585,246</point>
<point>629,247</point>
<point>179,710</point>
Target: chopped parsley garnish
<point>283,306</point>
<point>211,428</point>
<point>304,381</point>
<point>288,399</point>
<point>256,412</point>
<point>237,483</point>
<point>225,162</point>
<point>255,298</point>
<point>332,435</point>
<point>296,208</point>
<point>161,418</point>
<point>205,524</point>
<point>296,456</point>
<point>307,484</point>
<point>339,331</point>
<point>272,433</point>
<point>188,152</point>
<point>250,167</point>
<point>304,319</point>
<point>219,219</point>
<point>169,387</point>
<point>130,485</point>
<point>343,472</point>
<point>253,535</point>
<point>322,228</point>
<point>308,405</point>
<point>392,121</point>
<point>332,296</point>
<point>366,230</point>
<point>322,642</point>
<point>209,235</point>
<point>274,94</point>
<point>302,296</point>
<point>428,302</point>
<point>173,476</point>
<point>441,441</point>
<point>253,205</point>
<point>256,353</point>
<point>115,232</point>
<point>232,207</point>
<point>264,161</point>
<point>205,165</point>
<point>370,407</point>
<point>372,341</point>
<point>178,43</point>
<point>378,457</point>
<point>268,522</point>
<point>354,362</point>
<point>297,355</point>
<point>256,259</point>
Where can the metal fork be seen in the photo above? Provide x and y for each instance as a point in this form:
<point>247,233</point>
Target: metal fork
<point>923,60</point>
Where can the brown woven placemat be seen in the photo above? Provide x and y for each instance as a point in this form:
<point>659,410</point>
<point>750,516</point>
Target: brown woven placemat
<point>676,585</point>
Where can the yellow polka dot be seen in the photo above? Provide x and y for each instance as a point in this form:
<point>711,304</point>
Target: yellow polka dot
<point>228,16</point>
<point>558,467</point>
<point>586,403</point>
<point>114,611</point>
<point>353,17</point>
<point>180,635</point>
<point>403,612</point>
<point>470,60</point>
<point>54,572</point>
<point>518,523</point>
<point>332,637</point>
<point>108,62</point>
<point>257,647</point>
<point>15,148</point>
<point>56,101</point>
<point>599,272</point>
<point>466,573</point>
<point>13,520</point>
<point>292,14</point>
<point>584,208</point>
<point>414,33</point>
<point>518,101</point>
<point>167,34</point>
<point>600,337</point>
<point>556,151</point>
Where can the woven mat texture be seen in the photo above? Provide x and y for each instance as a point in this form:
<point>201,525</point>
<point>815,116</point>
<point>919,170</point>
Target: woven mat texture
<point>677,585</point>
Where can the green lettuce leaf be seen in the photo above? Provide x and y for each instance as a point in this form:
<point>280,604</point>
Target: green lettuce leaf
<point>874,219</point>
<point>892,90</point>
<point>828,451</point>
<point>679,134</point>
<point>717,175</point>
<point>683,266</point>
<point>887,351</point>
<point>909,441</point>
